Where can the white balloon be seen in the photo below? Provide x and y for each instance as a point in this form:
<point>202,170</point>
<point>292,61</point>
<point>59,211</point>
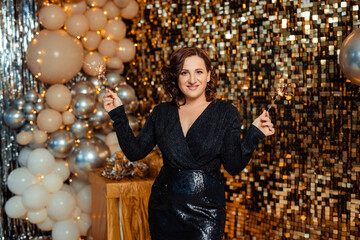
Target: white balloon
<point>35,197</point>
<point>84,223</point>
<point>14,208</point>
<point>78,183</point>
<point>24,156</point>
<point>83,199</point>
<point>62,168</point>
<point>111,10</point>
<point>61,206</point>
<point>78,7</point>
<point>41,162</point>
<point>19,180</point>
<point>66,230</point>
<point>46,225</point>
<point>69,189</point>
<point>53,182</point>
<point>37,216</point>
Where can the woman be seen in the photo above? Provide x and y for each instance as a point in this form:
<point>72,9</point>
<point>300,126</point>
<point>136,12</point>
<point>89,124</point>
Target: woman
<point>196,134</point>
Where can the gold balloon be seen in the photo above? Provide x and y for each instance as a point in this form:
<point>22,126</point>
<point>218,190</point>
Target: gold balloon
<point>78,7</point>
<point>93,63</point>
<point>58,97</point>
<point>91,40</point>
<point>112,11</point>
<point>77,25</point>
<point>126,50</point>
<point>115,29</point>
<point>52,17</point>
<point>49,120</point>
<point>54,56</point>
<point>130,10</point>
<point>97,18</point>
<point>107,47</point>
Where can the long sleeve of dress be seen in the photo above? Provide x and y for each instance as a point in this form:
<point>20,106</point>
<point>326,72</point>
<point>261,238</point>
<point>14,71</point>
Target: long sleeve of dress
<point>134,147</point>
<point>236,153</point>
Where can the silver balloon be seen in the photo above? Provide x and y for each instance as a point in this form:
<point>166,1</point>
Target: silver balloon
<point>19,103</point>
<point>133,122</point>
<point>29,108</point>
<point>114,79</point>
<point>80,128</point>
<point>39,107</point>
<point>132,106</point>
<point>29,128</point>
<point>100,117</point>
<point>126,93</point>
<point>83,106</point>
<point>31,96</point>
<point>89,153</point>
<point>83,87</point>
<point>31,117</point>
<point>61,143</point>
<point>14,118</point>
<point>349,58</point>
<point>40,100</point>
<point>95,81</point>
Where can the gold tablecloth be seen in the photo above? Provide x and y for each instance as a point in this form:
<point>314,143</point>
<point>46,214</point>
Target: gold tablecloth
<point>129,197</point>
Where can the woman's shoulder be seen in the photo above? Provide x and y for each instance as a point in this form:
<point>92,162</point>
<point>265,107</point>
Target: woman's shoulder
<point>225,106</point>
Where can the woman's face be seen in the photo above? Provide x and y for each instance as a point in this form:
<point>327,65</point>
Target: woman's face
<point>193,78</point>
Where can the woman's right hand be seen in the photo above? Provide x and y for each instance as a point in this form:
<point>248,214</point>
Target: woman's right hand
<point>111,100</point>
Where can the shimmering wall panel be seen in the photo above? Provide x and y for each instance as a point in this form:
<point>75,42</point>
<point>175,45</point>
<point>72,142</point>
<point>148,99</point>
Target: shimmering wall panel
<point>303,182</point>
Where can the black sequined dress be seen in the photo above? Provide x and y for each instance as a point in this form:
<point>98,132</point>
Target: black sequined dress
<point>187,199</point>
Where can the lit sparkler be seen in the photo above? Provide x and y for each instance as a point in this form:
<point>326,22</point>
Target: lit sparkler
<point>281,92</point>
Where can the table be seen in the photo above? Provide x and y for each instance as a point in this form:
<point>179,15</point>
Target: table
<point>129,197</point>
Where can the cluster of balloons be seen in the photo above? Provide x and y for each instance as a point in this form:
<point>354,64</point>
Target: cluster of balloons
<point>88,35</point>
<point>42,197</point>
<point>350,57</point>
<point>63,130</point>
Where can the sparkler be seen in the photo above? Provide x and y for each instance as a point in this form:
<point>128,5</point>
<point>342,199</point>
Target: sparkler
<point>280,92</point>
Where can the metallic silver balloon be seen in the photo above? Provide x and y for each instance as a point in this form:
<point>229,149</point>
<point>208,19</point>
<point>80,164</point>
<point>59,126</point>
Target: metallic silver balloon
<point>83,87</point>
<point>126,93</point>
<point>61,143</point>
<point>100,117</point>
<point>29,128</point>
<point>31,96</point>
<point>39,106</point>
<point>80,128</point>
<point>40,100</point>
<point>14,118</point>
<point>29,108</point>
<point>31,117</point>
<point>132,106</point>
<point>133,122</point>
<point>349,58</point>
<point>114,79</point>
<point>83,106</point>
<point>19,103</point>
<point>89,153</point>
<point>95,81</point>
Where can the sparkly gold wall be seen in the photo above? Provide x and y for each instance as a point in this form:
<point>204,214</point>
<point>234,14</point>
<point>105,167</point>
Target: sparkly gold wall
<point>303,182</point>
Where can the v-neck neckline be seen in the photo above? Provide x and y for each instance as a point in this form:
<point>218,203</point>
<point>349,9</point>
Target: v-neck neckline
<point>196,120</point>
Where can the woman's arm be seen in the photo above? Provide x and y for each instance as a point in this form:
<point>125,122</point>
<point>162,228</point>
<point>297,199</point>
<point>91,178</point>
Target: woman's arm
<point>134,147</point>
<point>236,153</point>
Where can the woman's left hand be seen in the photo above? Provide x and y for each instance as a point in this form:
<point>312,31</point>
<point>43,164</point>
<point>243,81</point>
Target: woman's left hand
<point>263,123</point>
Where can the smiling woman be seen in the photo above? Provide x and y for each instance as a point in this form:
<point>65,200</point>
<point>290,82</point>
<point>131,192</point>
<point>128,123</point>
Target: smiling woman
<point>196,134</point>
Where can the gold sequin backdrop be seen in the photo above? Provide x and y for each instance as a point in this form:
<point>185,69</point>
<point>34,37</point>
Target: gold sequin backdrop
<point>303,182</point>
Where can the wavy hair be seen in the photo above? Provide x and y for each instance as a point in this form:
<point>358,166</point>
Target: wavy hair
<point>171,73</point>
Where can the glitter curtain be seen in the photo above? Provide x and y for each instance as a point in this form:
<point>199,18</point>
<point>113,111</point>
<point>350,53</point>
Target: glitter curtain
<point>303,182</point>
<point>18,24</point>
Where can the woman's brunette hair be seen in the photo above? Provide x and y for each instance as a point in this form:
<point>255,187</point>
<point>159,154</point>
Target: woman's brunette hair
<point>171,72</point>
